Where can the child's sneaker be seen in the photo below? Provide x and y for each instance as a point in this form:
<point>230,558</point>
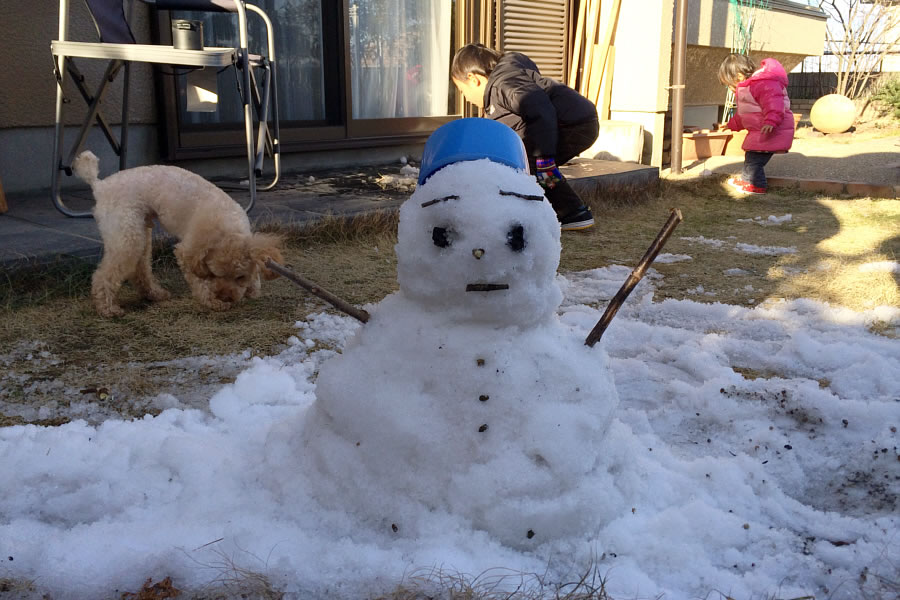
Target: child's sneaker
<point>749,188</point>
<point>745,187</point>
<point>737,183</point>
<point>580,219</point>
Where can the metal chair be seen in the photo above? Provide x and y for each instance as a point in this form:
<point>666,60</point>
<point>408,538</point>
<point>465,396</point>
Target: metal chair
<point>117,46</point>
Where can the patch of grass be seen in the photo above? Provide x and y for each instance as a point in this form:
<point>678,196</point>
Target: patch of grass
<point>37,284</point>
<point>17,588</point>
<point>497,584</point>
<point>47,310</point>
<point>831,238</point>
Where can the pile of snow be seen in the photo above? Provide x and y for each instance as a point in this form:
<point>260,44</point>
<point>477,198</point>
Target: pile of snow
<point>404,180</point>
<point>740,246</point>
<point>769,221</point>
<point>805,458</point>
<point>665,257</point>
<point>767,250</point>
<point>884,266</point>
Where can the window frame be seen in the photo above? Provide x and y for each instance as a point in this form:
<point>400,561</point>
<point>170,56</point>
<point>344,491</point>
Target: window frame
<point>217,140</point>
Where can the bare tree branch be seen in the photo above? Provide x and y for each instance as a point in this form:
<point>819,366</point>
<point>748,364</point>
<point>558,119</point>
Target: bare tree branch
<point>859,36</point>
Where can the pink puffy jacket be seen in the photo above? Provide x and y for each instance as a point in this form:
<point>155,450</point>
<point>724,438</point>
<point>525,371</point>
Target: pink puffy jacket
<point>762,100</point>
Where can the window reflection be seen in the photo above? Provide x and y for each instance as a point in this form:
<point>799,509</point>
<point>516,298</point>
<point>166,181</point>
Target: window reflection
<point>299,56</point>
<point>399,58</point>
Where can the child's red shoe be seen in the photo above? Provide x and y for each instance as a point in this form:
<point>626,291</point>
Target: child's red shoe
<point>737,183</point>
<point>745,186</point>
<point>749,188</point>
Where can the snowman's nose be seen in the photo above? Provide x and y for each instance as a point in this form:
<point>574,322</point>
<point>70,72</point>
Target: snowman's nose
<point>478,252</point>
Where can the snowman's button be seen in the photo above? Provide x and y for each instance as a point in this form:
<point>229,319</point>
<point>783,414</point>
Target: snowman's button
<point>478,253</point>
<point>483,428</point>
<point>484,398</point>
<point>479,362</point>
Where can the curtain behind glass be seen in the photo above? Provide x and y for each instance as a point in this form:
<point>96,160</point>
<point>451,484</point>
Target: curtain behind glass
<point>298,48</point>
<point>399,58</point>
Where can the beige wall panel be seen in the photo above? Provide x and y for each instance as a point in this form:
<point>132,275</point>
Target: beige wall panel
<point>701,77</point>
<point>643,56</point>
<point>27,81</point>
<point>710,23</point>
<point>789,33</point>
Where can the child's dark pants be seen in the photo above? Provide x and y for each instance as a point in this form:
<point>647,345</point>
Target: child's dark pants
<point>754,163</point>
<point>573,140</point>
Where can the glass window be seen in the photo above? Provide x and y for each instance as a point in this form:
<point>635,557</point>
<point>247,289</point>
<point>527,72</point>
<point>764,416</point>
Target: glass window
<point>300,59</point>
<point>346,69</point>
<point>399,58</point>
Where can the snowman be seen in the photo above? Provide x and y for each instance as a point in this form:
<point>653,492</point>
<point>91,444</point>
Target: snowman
<point>464,393</point>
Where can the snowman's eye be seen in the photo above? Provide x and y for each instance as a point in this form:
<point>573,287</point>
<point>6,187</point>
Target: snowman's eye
<point>515,238</point>
<point>441,237</point>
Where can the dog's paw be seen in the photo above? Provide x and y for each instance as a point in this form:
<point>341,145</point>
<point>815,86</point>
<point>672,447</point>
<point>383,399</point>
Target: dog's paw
<point>109,312</point>
<point>217,305</point>
<point>158,295</point>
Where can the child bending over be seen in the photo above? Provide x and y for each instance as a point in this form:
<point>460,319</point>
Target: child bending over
<point>764,110</point>
<point>555,122</point>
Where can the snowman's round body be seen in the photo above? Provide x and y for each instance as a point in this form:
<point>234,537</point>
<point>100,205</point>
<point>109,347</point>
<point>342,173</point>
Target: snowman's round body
<point>464,392</point>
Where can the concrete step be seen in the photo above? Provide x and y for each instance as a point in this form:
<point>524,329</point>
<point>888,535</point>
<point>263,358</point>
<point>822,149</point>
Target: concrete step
<point>605,181</point>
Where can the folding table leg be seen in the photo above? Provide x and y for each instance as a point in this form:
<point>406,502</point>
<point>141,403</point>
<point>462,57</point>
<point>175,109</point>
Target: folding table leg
<point>93,115</point>
<point>266,141</point>
<point>58,145</point>
<point>272,137</point>
<point>248,126</point>
<point>261,103</point>
<point>93,104</point>
<point>123,128</point>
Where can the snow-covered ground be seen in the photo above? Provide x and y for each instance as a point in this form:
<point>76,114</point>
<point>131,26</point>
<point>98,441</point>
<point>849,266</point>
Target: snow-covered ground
<point>468,433</point>
<point>781,482</point>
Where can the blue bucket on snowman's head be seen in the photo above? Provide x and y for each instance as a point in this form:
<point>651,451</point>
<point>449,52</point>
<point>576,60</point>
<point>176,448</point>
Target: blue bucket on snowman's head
<point>472,139</point>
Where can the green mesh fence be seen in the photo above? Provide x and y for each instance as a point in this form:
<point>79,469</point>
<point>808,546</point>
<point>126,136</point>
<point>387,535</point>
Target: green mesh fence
<point>745,16</point>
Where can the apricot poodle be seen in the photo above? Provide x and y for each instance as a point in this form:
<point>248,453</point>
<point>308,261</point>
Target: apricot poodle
<point>220,257</point>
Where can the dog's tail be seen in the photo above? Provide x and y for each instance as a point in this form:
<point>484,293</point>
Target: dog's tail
<point>87,167</point>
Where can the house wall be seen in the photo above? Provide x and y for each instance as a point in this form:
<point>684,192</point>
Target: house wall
<point>787,32</point>
<point>642,70</point>
<point>26,29</point>
<point>28,101</point>
<point>641,74</point>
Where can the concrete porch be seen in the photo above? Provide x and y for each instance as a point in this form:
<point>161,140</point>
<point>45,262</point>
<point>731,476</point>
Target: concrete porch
<point>34,233</point>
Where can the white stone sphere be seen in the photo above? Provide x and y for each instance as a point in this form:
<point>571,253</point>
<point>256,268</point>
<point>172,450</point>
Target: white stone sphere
<point>833,113</point>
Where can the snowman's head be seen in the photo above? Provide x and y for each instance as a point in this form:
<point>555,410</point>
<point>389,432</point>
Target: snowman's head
<point>479,242</point>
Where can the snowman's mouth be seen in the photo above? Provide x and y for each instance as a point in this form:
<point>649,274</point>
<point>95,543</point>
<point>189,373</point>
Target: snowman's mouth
<point>486,287</point>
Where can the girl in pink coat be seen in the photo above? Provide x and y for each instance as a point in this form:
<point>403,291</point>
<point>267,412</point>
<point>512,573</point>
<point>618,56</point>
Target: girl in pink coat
<point>764,110</point>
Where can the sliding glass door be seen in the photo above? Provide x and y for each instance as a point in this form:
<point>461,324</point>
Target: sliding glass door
<point>347,70</point>
<point>399,58</point>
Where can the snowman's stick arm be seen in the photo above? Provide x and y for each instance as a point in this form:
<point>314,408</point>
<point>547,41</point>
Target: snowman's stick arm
<point>636,275</point>
<point>316,290</point>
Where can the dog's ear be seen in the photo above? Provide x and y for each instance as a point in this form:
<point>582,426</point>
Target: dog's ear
<point>193,262</point>
<point>263,247</point>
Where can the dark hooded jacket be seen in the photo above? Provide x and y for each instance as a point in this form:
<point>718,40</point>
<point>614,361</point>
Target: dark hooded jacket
<point>533,105</point>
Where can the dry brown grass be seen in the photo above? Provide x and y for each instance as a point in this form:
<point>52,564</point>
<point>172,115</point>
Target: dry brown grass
<point>498,584</point>
<point>833,238</point>
<point>57,352</point>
